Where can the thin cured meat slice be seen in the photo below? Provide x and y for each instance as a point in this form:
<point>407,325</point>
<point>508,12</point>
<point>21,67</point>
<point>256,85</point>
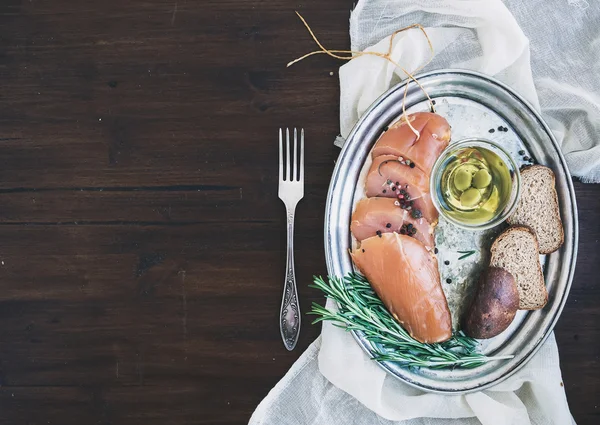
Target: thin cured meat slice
<point>405,276</point>
<point>389,178</point>
<point>374,216</point>
<point>387,167</point>
<point>400,140</point>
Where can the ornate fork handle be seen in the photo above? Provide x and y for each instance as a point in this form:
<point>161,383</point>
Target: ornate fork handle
<point>289,319</point>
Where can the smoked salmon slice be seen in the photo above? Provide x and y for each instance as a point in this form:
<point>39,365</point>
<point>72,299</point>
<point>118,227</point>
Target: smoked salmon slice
<point>400,141</point>
<point>388,178</point>
<point>406,278</point>
<point>374,216</point>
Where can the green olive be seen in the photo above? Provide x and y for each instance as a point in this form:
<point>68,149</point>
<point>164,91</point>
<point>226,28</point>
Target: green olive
<point>482,179</point>
<point>470,197</point>
<point>462,179</point>
<point>471,168</point>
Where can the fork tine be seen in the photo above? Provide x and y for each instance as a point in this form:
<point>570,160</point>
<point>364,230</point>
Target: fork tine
<point>280,154</point>
<point>287,154</point>
<point>295,169</point>
<point>301,174</point>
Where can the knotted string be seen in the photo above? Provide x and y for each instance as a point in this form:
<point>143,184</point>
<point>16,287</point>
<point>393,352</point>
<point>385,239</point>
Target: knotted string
<point>351,54</point>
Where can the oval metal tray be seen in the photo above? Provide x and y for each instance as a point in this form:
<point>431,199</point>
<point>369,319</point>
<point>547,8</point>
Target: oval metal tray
<point>473,104</point>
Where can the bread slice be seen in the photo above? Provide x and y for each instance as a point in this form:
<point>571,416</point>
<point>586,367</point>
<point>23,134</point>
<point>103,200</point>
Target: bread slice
<point>538,207</point>
<point>517,251</point>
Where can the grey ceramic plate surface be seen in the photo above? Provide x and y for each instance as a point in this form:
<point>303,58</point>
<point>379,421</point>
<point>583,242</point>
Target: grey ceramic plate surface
<point>473,104</point>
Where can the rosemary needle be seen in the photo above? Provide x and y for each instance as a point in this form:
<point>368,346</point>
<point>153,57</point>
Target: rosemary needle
<point>465,254</point>
<point>361,310</point>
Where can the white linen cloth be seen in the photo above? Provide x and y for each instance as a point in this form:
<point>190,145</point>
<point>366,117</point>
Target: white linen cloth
<point>334,382</point>
<point>552,46</point>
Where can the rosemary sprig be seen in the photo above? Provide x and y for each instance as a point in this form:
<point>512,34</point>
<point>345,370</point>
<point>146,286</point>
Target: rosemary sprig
<point>361,310</point>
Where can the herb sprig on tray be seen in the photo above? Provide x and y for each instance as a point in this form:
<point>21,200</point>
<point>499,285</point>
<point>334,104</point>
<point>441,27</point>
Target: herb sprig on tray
<point>360,309</point>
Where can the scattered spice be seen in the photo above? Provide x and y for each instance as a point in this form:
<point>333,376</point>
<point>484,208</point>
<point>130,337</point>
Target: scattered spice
<point>526,158</point>
<point>404,200</point>
<point>378,233</point>
<point>416,214</point>
<point>363,250</point>
<point>491,130</point>
<point>447,262</point>
<point>388,225</point>
<point>408,229</point>
<point>386,128</point>
<point>384,190</point>
<point>500,128</point>
<point>521,153</point>
<point>436,251</point>
<point>448,280</point>
<point>412,165</point>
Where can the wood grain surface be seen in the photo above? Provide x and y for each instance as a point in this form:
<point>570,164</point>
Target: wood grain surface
<point>141,237</point>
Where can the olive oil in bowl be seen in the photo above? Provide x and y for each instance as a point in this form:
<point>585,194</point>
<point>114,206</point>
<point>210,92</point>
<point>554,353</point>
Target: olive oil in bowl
<point>475,184</point>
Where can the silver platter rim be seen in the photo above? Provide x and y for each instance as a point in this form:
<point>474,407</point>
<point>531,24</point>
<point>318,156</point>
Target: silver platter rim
<point>339,204</point>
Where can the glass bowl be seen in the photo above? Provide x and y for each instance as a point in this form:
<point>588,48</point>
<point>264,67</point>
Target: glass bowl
<point>507,196</point>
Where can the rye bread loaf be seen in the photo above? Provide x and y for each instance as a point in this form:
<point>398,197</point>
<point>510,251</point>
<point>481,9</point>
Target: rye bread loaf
<point>538,207</point>
<point>517,251</point>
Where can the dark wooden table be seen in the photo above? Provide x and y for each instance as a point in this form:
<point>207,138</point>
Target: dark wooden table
<point>141,238</point>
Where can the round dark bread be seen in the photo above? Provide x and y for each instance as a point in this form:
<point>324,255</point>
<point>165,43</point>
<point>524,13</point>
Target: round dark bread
<point>495,304</point>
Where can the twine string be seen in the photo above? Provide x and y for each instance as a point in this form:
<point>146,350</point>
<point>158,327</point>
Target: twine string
<point>351,54</point>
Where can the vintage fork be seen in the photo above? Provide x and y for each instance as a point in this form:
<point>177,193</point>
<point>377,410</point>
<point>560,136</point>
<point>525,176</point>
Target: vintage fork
<point>291,190</point>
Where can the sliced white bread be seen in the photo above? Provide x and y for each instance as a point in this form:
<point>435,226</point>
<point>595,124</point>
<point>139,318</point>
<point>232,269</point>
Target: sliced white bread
<point>517,251</point>
<point>538,207</point>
